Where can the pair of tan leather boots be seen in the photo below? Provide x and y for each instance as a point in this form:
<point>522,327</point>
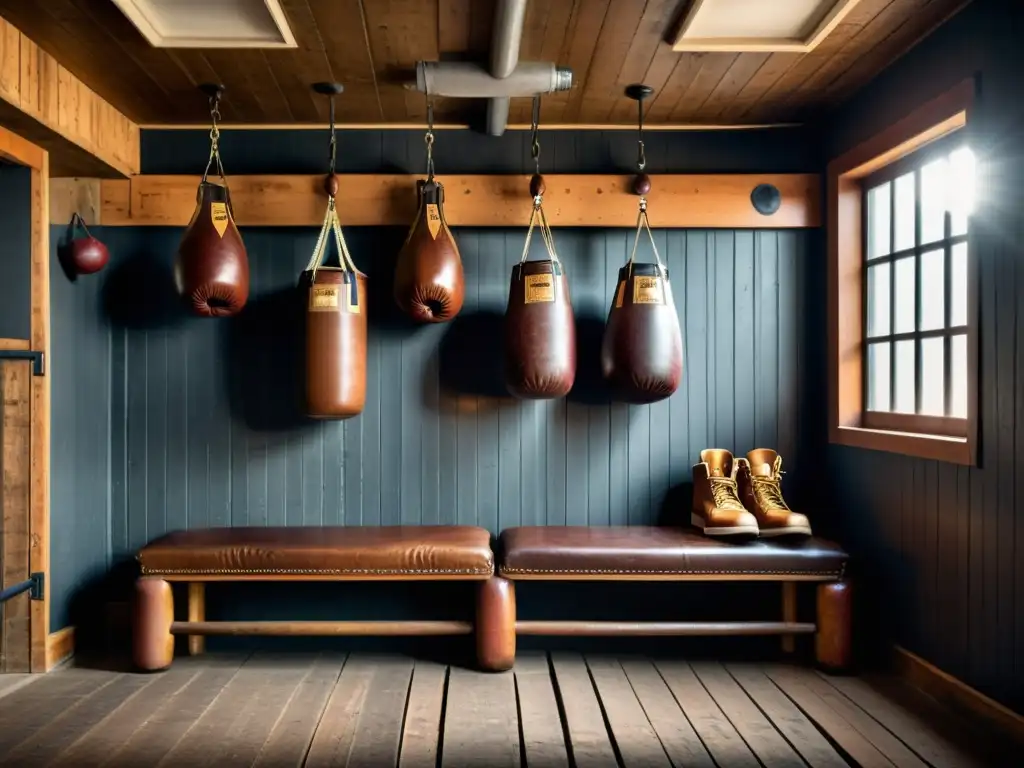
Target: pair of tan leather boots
<point>742,497</point>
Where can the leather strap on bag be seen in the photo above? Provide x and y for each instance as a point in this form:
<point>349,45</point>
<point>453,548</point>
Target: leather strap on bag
<point>214,159</point>
<point>333,225</point>
<point>546,236</point>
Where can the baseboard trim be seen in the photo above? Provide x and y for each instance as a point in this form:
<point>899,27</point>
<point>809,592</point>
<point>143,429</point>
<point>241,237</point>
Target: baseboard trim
<point>60,646</point>
<point>957,694</point>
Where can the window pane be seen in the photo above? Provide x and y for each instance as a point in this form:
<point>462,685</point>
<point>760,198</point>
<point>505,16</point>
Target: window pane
<point>906,315</point>
<point>879,378</point>
<point>958,289</point>
<point>904,377</point>
<point>934,194</point>
<point>879,219</point>
<point>958,370</point>
<point>878,300</point>
<point>962,188</point>
<point>933,377</point>
<point>933,290</point>
<point>904,235</point>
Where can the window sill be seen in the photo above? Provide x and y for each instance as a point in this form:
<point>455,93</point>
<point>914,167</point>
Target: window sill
<point>954,450</point>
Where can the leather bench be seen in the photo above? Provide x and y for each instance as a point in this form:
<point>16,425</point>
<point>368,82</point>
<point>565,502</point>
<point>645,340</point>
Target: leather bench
<point>399,553</point>
<point>580,553</point>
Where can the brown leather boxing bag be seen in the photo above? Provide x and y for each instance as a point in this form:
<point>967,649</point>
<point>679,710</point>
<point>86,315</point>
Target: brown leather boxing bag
<point>211,269</point>
<point>540,332</point>
<point>428,277</point>
<point>335,329</point>
<point>642,350</point>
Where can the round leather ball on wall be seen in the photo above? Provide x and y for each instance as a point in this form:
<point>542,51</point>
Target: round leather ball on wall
<point>766,199</point>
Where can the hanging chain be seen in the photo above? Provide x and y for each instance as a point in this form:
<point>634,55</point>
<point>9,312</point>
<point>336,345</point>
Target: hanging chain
<point>535,145</point>
<point>214,139</point>
<point>333,150</point>
<point>641,159</point>
<point>428,139</point>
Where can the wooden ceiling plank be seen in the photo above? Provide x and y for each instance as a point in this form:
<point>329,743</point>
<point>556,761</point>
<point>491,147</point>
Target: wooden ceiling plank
<point>481,28</point>
<point>555,49</point>
<point>620,26</point>
<point>648,43</point>
<point>530,49</point>
<point>364,55</point>
<point>712,71</point>
<point>665,99</point>
<point>297,69</point>
<point>777,65</point>
<point>740,73</point>
<point>198,70</point>
<point>453,26</point>
<point>591,19</point>
<point>915,27</point>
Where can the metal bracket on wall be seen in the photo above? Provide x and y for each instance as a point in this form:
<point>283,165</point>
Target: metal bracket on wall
<point>34,585</point>
<point>38,363</point>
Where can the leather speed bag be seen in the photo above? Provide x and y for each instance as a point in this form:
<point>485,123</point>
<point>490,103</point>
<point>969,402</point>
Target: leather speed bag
<point>428,277</point>
<point>335,343</point>
<point>88,255</point>
<point>540,332</point>
<point>642,350</point>
<point>211,270</point>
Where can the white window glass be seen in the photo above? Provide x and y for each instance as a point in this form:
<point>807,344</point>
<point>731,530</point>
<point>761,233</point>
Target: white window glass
<point>879,220</point>
<point>933,377</point>
<point>958,371</point>
<point>934,194</point>
<point>878,299</point>
<point>958,289</point>
<point>933,290</point>
<point>904,232</point>
<point>963,188</point>
<point>879,378</point>
<point>905,319</point>
<point>905,384</point>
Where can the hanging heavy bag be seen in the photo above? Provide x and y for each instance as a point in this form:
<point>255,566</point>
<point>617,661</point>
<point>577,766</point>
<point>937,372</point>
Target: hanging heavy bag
<point>642,350</point>
<point>540,332</point>
<point>85,255</point>
<point>335,329</point>
<point>428,277</point>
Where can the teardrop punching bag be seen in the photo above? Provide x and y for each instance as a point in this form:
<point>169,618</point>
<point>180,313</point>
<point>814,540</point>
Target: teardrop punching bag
<point>85,255</point>
<point>211,269</point>
<point>540,332</point>
<point>642,349</point>
<point>335,328</point>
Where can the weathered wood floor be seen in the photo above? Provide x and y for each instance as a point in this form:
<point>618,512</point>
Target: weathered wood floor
<point>276,710</point>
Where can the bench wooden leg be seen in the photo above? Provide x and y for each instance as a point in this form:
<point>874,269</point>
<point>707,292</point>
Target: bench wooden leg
<point>496,624</point>
<point>196,612</point>
<point>788,614</point>
<point>833,643</point>
<point>152,615</point>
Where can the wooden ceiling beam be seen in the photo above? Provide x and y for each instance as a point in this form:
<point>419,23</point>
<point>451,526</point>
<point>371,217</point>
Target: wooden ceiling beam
<point>43,102</point>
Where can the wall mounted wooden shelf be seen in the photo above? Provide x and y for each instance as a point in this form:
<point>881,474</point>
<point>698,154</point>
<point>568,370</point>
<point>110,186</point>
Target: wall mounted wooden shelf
<point>696,201</point>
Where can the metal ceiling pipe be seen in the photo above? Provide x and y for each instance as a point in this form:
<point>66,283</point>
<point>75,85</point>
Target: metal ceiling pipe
<point>506,38</point>
<point>466,80</point>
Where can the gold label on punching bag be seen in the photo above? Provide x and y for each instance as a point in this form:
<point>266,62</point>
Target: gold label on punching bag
<point>539,288</point>
<point>219,214</point>
<point>618,294</point>
<point>647,290</point>
<point>323,298</point>
<point>433,219</point>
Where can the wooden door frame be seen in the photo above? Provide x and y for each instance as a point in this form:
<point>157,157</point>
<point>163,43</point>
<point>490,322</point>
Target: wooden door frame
<point>18,150</point>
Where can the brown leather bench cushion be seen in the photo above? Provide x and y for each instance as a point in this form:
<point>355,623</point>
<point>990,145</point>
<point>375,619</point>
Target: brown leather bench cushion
<point>632,552</point>
<point>429,551</point>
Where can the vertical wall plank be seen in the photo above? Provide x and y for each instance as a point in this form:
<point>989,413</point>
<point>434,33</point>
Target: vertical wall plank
<point>660,415</point>
<point>468,403</point>
<point>596,288</point>
<point>616,253</point>
<point>767,351</point>
<point>722,270</point>
<point>156,433</point>
<point>678,455</point>
<point>787,362</point>
<point>577,459</point>
<point>697,353</point>
<point>744,389</point>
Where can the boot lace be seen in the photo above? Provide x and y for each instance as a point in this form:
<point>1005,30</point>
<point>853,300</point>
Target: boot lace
<point>725,493</point>
<point>768,490</point>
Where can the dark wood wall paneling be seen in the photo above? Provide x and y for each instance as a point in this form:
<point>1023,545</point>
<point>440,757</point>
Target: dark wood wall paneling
<point>202,428</point>
<point>15,244</point>
<point>944,544</point>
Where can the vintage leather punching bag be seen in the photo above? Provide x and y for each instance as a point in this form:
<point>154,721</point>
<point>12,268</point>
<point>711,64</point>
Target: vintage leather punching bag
<point>540,332</point>
<point>642,349</point>
<point>428,277</point>
<point>85,255</point>
<point>335,329</point>
<point>211,270</point>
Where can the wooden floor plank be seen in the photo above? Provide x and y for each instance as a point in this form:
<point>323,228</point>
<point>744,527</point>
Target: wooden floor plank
<point>589,740</point>
<point>55,736</point>
<point>719,736</point>
<point>681,742</point>
<point>421,733</point>
<point>849,739</point>
<point>786,717</point>
<point>892,748</point>
<point>290,736</point>
<point>111,734</point>
<point>332,741</point>
<point>379,732</point>
<point>766,743</point>
<point>11,682</point>
<point>914,731</point>
<point>481,724</point>
<point>28,709</point>
<point>634,735</point>
<point>543,737</point>
<point>161,732</point>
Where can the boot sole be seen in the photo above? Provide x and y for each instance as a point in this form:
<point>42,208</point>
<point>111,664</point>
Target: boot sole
<point>733,530</point>
<point>799,530</point>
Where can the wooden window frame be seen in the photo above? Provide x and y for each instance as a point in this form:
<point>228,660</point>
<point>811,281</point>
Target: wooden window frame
<point>940,438</point>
